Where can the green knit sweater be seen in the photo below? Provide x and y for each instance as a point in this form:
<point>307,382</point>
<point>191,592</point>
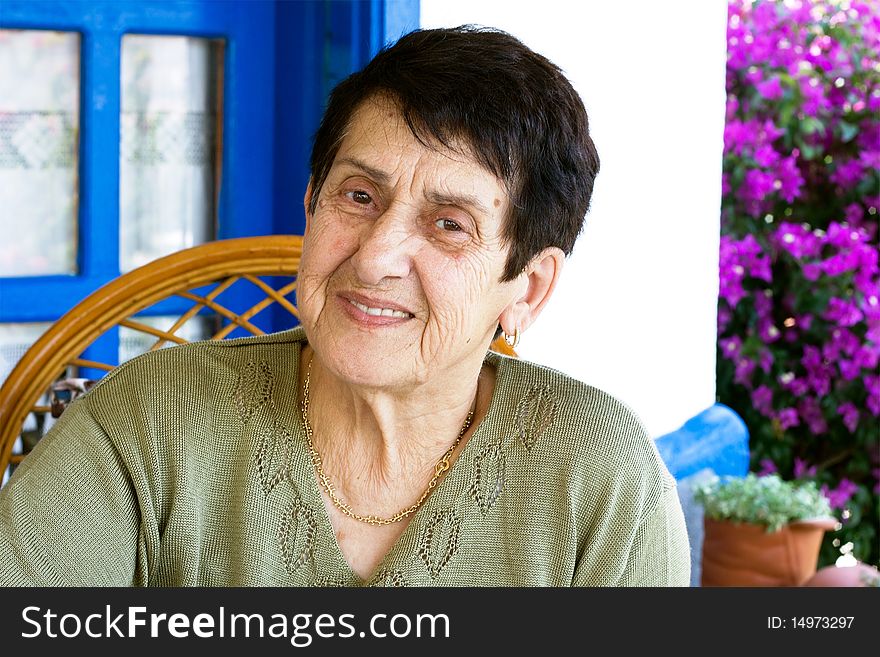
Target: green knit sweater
<point>189,467</point>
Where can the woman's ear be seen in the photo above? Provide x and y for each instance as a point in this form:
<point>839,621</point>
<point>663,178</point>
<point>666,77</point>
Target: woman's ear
<point>538,280</point>
<point>307,201</point>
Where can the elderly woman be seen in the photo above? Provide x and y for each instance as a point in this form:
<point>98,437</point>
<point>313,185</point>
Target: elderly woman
<point>380,443</point>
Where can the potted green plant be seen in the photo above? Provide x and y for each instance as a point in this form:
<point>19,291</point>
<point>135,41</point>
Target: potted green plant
<point>761,531</point>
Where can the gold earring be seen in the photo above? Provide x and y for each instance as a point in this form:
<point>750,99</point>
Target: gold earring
<point>512,340</point>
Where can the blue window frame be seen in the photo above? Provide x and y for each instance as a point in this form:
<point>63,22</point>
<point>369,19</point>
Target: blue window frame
<point>281,59</point>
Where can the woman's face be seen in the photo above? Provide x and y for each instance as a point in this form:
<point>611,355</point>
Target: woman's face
<point>402,260</point>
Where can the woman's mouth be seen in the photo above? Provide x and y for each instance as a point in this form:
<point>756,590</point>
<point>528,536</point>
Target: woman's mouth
<point>370,311</point>
<point>379,312</point>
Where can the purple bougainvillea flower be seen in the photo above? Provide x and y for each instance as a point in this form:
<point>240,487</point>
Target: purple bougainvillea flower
<point>873,332</point>
<point>764,17</point>
<point>854,213</point>
<point>788,417</point>
<point>757,186</point>
<point>724,317</point>
<point>737,136</point>
<point>768,332</point>
<point>766,156</point>
<point>849,369</point>
<point>819,370</point>
<point>799,277</point>
<point>841,236</point>
<point>743,371</point>
<point>730,347</point>
<point>812,357</point>
<point>847,174</point>
<point>820,382</point>
<point>871,301</point>
<point>803,469</point>
<point>764,305</point>
<point>869,159</point>
<point>798,387</point>
<point>813,93</point>
<point>766,360</point>
<point>762,400</point>
<point>844,313</point>
<point>840,263</point>
<point>869,136</point>
<point>866,277</point>
<point>868,356</point>
<point>769,131</point>
<point>850,415</point>
<point>811,413</point>
<point>790,179</point>
<point>838,497</point>
<point>770,89</point>
<point>731,106</point>
<point>872,386</point>
<point>805,321</point>
<point>767,467</point>
<point>812,271</point>
<point>760,268</point>
<point>731,289</point>
<point>842,341</point>
<point>796,240</point>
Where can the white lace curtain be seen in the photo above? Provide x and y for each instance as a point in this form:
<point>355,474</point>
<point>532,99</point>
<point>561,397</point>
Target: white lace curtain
<point>168,145</point>
<point>39,128</point>
<point>168,156</point>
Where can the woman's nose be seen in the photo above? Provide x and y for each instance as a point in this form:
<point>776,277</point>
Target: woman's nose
<point>387,247</point>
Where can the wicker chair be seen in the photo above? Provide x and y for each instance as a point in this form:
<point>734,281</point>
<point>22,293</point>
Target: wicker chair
<point>205,275</point>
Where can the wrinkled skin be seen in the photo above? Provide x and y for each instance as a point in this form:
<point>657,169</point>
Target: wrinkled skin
<point>416,229</point>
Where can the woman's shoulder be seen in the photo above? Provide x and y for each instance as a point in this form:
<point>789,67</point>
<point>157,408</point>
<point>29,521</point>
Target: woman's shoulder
<point>578,418</point>
<point>197,362</point>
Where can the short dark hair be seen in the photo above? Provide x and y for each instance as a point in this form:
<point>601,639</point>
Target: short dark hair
<point>514,109</point>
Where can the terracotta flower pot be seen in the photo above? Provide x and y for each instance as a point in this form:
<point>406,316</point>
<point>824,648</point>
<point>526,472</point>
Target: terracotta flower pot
<point>741,554</point>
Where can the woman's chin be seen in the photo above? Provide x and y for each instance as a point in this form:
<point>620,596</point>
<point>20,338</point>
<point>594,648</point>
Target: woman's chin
<point>368,372</point>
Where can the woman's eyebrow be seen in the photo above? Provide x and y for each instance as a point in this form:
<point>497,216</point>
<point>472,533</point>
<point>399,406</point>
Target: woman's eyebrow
<point>458,200</point>
<point>374,173</point>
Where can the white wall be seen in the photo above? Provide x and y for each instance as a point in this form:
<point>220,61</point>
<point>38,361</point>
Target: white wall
<point>635,310</point>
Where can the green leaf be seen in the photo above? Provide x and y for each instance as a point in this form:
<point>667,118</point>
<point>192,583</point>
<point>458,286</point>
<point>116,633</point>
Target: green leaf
<point>767,501</point>
<point>847,131</point>
<point>811,125</point>
<point>809,152</point>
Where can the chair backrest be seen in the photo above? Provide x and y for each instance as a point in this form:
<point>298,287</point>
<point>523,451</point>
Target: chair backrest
<point>209,277</point>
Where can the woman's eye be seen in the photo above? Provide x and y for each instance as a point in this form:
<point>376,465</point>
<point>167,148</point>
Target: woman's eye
<point>359,197</point>
<point>447,224</point>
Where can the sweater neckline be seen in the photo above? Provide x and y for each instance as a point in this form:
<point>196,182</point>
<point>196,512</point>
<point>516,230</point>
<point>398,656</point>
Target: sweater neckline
<point>448,492</point>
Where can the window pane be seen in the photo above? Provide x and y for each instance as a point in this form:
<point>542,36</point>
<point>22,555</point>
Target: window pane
<point>15,339</point>
<point>169,145</point>
<point>39,127</point>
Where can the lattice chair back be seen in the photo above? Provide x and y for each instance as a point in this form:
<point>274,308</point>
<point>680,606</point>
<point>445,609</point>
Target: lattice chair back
<point>211,280</point>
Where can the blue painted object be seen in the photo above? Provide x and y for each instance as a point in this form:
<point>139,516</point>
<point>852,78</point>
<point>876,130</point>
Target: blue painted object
<point>716,439</point>
<point>715,442</point>
<point>281,59</point>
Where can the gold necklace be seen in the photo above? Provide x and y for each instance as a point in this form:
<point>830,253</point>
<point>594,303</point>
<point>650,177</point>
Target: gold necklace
<point>441,467</point>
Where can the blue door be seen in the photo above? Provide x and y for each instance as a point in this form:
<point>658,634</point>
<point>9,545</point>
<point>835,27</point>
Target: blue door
<point>130,129</point>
